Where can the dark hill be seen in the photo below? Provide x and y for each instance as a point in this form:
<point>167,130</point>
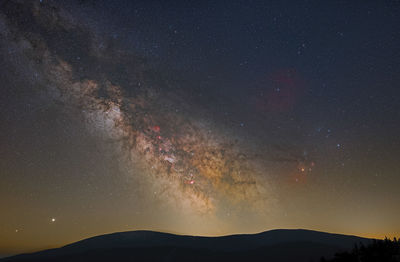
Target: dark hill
<point>274,245</point>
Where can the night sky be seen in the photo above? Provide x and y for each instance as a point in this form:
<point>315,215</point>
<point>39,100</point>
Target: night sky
<point>197,117</point>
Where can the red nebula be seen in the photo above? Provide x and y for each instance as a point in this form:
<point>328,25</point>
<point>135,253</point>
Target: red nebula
<point>189,182</point>
<point>282,91</point>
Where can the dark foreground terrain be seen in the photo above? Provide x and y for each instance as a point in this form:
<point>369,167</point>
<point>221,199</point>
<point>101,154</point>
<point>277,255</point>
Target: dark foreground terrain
<point>275,245</point>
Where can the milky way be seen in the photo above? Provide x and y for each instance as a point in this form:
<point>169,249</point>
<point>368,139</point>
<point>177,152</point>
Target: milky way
<point>190,163</point>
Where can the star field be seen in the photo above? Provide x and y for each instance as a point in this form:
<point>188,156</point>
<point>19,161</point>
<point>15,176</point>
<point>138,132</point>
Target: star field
<point>204,118</point>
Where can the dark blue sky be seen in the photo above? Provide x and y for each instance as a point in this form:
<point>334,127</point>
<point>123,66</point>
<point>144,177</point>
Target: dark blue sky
<point>347,53</point>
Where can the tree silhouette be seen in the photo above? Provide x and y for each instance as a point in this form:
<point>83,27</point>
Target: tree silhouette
<point>378,251</point>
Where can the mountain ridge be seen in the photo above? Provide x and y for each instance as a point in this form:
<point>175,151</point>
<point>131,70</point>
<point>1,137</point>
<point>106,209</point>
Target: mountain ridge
<point>283,243</point>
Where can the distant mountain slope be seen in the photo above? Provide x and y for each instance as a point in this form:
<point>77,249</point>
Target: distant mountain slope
<point>274,245</point>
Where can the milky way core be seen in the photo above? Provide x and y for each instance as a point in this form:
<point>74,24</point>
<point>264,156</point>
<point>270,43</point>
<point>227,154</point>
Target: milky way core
<point>188,161</point>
